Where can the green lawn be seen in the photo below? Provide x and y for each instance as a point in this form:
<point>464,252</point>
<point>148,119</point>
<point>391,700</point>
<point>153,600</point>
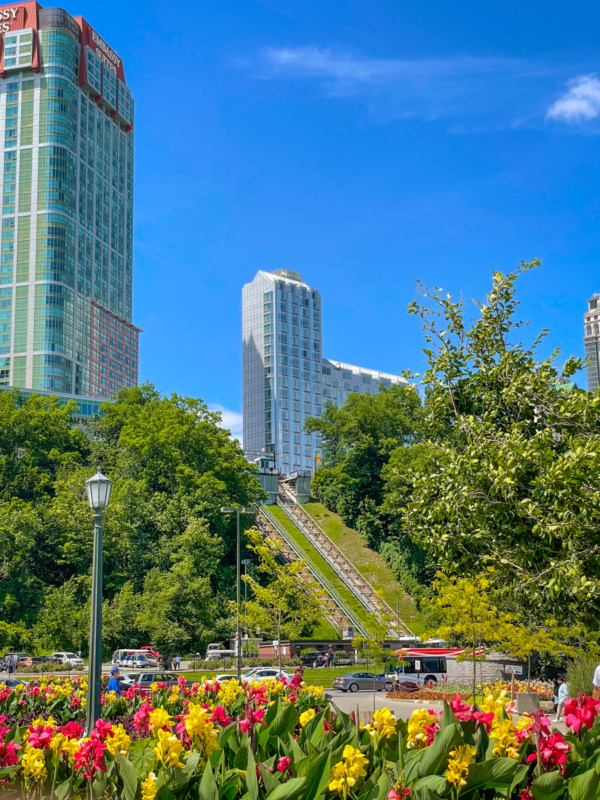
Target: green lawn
<point>368,562</point>
<point>313,555</point>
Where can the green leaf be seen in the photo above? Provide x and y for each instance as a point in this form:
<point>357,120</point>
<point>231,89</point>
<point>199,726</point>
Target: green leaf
<point>495,772</point>
<point>208,786</point>
<point>288,790</point>
<point>285,723</point>
<point>548,786</point>
<point>164,793</point>
<point>435,756</point>
<point>129,776</point>
<point>318,777</point>
<point>437,783</point>
<point>142,758</point>
<point>251,780</point>
<point>63,790</point>
<point>584,787</point>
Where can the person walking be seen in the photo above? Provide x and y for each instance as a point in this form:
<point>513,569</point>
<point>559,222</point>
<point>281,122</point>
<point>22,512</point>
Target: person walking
<point>596,684</point>
<point>563,696</point>
<point>555,696</point>
<point>330,658</point>
<point>178,664</point>
<point>113,684</point>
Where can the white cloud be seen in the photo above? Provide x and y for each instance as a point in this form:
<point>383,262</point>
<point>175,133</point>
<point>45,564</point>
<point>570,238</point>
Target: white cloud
<point>231,421</point>
<point>581,101</point>
<point>482,92</point>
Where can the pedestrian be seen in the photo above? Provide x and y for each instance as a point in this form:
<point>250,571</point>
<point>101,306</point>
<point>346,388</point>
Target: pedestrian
<point>563,696</point>
<point>555,695</point>
<point>330,658</point>
<point>326,661</point>
<point>298,677</point>
<point>596,682</point>
<point>79,653</point>
<point>11,665</point>
<point>178,663</point>
<point>113,684</point>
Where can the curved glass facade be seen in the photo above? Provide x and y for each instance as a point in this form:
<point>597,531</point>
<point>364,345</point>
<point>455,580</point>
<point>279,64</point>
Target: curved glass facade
<point>66,267</point>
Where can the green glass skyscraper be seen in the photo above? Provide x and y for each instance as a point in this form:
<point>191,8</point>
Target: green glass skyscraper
<point>66,269</point>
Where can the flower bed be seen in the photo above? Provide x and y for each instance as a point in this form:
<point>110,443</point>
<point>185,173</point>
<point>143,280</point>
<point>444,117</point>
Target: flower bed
<point>267,740</point>
<point>441,692</point>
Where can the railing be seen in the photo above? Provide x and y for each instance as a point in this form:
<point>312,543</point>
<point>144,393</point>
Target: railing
<point>348,612</point>
<point>381,606</point>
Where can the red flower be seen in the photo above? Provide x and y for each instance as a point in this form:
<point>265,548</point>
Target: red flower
<point>553,751</point>
<point>102,731</point>
<point>141,718</point>
<point>220,717</point>
<point>89,759</point>
<point>581,712</point>
<point>283,764</point>
<point>72,730</point>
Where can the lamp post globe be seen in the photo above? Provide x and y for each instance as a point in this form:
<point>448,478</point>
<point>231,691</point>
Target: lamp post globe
<point>98,491</point>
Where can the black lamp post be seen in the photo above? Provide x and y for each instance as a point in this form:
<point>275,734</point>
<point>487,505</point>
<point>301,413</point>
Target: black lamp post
<point>237,510</point>
<point>98,492</point>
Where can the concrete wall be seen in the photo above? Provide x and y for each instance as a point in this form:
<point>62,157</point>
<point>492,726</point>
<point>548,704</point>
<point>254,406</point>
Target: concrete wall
<point>492,669</point>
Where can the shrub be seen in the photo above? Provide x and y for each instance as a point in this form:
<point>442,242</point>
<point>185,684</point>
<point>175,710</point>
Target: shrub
<point>580,673</point>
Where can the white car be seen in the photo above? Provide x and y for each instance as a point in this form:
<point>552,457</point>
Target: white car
<point>260,673</point>
<point>135,661</point>
<point>64,657</point>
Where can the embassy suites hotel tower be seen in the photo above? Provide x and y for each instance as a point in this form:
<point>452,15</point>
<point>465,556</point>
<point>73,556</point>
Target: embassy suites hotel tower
<point>66,137</point>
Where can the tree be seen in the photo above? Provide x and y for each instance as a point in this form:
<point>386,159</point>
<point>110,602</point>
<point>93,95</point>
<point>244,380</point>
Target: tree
<point>286,604</point>
<point>468,614</point>
<point>512,484</point>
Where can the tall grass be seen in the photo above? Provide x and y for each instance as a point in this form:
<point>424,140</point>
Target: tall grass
<point>580,673</point>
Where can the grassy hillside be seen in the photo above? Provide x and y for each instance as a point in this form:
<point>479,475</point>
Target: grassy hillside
<point>313,554</point>
<point>368,562</point>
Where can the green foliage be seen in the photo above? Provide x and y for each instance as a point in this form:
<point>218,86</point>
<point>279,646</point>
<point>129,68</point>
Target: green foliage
<point>169,553</point>
<point>511,485</point>
<point>580,672</point>
<point>287,604</point>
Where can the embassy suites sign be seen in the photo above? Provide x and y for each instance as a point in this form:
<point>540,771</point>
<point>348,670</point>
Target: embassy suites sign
<point>7,16</point>
<point>106,54</point>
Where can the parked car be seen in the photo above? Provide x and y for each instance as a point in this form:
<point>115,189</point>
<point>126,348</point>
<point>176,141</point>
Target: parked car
<point>225,676</point>
<point>12,683</point>
<point>136,661</point>
<point>353,681</point>
<point>260,673</point>
<point>313,659</point>
<point>65,657</point>
<point>152,654</point>
<point>145,680</point>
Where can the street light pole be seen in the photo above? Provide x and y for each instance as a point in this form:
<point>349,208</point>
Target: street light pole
<point>245,562</point>
<point>98,490</point>
<point>237,510</point>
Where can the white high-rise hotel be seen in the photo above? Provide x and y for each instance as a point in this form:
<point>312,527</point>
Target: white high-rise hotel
<point>285,377</point>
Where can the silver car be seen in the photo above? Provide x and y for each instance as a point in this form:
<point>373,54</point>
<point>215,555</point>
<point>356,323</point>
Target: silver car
<point>353,681</point>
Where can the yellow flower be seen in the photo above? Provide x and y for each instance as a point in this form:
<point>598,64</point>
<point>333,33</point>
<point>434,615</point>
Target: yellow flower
<point>149,787</point>
<point>159,718</point>
<point>458,764</point>
<point>173,698</point>
<point>34,764</point>
<point>506,740</point>
<point>168,749</point>
<point>346,772</point>
<point>119,742</point>
<point>384,722</point>
<point>306,716</point>
<point>154,687</point>
<point>197,723</point>
<point>417,735</point>
<point>69,748</point>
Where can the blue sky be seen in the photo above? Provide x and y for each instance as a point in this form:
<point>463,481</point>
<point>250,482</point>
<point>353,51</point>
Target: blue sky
<point>365,145</point>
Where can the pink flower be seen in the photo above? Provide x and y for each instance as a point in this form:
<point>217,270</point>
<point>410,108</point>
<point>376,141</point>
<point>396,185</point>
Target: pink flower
<point>553,751</point>
<point>8,753</point>
<point>141,718</point>
<point>283,764</point>
<point>40,736</point>
<point>245,725</point>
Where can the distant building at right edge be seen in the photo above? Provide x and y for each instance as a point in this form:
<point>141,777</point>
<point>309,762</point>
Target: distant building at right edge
<point>591,321</point>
